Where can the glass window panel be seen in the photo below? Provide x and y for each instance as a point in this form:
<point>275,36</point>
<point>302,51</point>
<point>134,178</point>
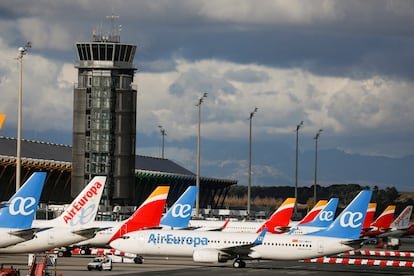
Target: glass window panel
<point>95,51</point>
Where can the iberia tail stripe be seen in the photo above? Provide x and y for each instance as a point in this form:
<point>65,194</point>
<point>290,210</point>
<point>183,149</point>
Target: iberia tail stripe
<point>147,215</point>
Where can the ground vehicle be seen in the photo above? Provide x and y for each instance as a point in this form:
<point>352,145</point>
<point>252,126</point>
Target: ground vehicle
<point>100,263</point>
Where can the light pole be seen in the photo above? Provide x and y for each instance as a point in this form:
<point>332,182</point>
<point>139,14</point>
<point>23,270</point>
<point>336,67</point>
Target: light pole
<point>296,169</point>
<point>249,186</point>
<point>22,52</point>
<point>316,165</point>
<point>200,101</point>
<point>163,134</point>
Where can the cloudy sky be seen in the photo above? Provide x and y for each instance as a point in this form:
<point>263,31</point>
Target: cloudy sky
<point>342,66</point>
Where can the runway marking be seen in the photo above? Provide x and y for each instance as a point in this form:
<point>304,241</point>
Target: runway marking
<point>369,262</point>
<point>379,253</point>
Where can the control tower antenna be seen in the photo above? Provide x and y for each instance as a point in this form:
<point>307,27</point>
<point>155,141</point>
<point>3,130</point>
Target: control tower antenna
<point>114,32</point>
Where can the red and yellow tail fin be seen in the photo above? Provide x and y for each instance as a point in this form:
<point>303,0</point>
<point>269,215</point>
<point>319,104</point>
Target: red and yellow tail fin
<point>314,211</point>
<point>385,219</point>
<point>147,215</point>
<point>2,119</point>
<point>369,217</point>
<point>280,218</point>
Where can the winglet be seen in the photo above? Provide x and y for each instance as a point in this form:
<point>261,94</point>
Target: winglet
<point>348,224</point>
<point>178,216</point>
<point>20,210</point>
<point>280,218</point>
<point>259,239</point>
<point>84,207</point>
<point>147,215</point>
<point>314,211</point>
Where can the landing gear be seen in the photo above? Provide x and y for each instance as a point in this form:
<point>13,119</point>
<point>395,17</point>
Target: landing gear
<point>239,263</point>
<point>139,260</point>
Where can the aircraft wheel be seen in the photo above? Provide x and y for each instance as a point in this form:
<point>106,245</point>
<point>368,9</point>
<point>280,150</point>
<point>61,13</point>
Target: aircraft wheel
<point>138,260</point>
<point>239,263</point>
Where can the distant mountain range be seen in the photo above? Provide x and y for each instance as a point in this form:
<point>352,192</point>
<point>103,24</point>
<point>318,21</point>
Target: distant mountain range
<point>274,165</point>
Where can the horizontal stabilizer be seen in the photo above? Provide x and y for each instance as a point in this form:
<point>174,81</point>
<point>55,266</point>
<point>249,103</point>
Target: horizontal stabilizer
<point>88,232</point>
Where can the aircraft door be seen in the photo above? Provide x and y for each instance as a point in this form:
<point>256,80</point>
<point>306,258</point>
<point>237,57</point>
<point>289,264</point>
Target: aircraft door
<point>320,247</point>
<point>51,236</point>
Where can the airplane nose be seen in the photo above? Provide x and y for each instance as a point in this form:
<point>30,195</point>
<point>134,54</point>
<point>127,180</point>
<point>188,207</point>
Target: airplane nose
<point>115,244</point>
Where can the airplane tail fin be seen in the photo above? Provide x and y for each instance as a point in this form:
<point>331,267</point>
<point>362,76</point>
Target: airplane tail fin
<point>369,217</point>
<point>84,207</point>
<point>20,210</point>
<point>2,119</point>
<point>178,216</point>
<point>280,218</point>
<point>403,220</point>
<point>385,219</point>
<point>147,215</point>
<point>326,216</point>
<point>348,224</point>
<point>314,212</point>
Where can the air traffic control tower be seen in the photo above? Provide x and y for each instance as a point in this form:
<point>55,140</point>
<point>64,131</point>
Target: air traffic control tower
<point>104,117</point>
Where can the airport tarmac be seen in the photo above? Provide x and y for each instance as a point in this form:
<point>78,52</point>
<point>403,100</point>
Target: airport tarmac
<point>76,266</point>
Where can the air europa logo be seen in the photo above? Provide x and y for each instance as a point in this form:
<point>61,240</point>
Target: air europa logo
<point>326,216</point>
<point>350,219</point>
<point>22,206</point>
<point>172,239</point>
<point>181,210</point>
<point>76,206</point>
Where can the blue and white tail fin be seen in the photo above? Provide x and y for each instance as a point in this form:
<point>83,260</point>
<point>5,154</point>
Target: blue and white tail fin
<point>20,210</point>
<point>326,216</point>
<point>178,216</point>
<point>348,224</point>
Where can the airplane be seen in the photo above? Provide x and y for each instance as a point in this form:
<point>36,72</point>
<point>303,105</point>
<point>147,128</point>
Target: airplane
<point>212,247</point>
<point>321,221</point>
<point>17,214</point>
<point>148,215</point>
<point>72,226</point>
<point>381,224</point>
<point>401,226</point>
<point>277,223</point>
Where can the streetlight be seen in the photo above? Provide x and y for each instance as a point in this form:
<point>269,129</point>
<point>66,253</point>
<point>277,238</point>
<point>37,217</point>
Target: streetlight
<point>296,172</point>
<point>22,52</point>
<point>200,101</point>
<point>163,134</point>
<point>316,164</point>
<point>249,187</point>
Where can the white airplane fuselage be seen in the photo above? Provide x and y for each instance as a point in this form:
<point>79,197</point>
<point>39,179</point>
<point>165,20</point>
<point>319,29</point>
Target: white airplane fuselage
<point>186,243</point>
<point>45,240</point>
<point>7,239</point>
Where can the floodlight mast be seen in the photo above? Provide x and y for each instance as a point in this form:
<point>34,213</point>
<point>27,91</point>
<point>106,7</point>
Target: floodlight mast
<point>22,52</point>
<point>200,101</point>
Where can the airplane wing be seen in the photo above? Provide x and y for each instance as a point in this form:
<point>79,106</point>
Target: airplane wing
<point>245,249</point>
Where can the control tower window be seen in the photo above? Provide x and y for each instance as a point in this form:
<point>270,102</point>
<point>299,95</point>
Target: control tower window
<point>95,51</point>
<point>109,52</point>
<point>102,55</point>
